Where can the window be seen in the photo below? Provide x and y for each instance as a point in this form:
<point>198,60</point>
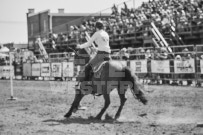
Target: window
<point>31,29</point>
<point>45,26</point>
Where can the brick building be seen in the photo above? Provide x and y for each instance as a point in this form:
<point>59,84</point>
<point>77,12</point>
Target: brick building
<point>41,23</point>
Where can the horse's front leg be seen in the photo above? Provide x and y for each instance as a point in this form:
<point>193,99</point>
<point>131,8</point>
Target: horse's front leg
<point>75,104</point>
<point>122,102</point>
<point>106,105</point>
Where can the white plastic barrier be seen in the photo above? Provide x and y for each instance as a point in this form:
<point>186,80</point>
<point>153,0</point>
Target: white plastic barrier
<point>56,69</point>
<point>201,66</point>
<point>45,70</point>
<point>5,71</point>
<point>184,66</point>
<point>160,66</point>
<point>27,69</point>
<point>68,69</point>
<point>36,69</point>
<point>138,66</point>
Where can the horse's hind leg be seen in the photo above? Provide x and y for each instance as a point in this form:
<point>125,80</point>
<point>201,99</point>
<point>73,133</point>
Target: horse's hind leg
<point>106,105</point>
<point>122,102</point>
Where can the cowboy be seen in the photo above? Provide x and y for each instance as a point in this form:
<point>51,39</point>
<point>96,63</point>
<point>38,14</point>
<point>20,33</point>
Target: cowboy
<point>101,38</point>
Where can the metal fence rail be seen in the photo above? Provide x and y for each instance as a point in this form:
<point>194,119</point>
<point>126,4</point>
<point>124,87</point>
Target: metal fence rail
<point>183,66</point>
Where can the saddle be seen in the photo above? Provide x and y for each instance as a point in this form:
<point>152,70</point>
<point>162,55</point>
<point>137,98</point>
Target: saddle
<point>97,69</point>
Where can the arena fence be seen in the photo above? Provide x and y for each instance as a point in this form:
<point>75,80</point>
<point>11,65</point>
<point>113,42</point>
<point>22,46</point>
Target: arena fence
<point>177,69</point>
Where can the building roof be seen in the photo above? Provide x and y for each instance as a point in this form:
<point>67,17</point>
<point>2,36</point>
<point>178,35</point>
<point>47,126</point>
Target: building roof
<point>69,14</point>
<point>80,14</point>
<point>33,14</point>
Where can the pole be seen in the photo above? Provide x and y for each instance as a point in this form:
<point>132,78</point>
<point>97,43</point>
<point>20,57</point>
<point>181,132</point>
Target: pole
<point>134,4</point>
<point>11,77</point>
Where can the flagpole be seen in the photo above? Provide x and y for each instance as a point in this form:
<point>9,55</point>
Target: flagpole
<point>133,4</point>
<point>11,77</point>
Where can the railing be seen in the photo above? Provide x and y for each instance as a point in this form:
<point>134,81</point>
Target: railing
<point>173,70</point>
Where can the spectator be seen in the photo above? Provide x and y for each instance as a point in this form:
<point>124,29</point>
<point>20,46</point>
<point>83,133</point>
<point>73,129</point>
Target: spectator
<point>163,55</point>
<point>187,56</point>
<point>148,54</point>
<point>123,54</point>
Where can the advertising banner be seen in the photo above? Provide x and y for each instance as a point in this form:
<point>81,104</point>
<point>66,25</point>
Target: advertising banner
<point>160,66</point>
<point>45,69</point>
<point>36,69</point>
<point>138,66</point>
<point>68,69</point>
<point>186,66</point>
<point>5,71</point>
<point>19,70</point>
<point>201,66</point>
<point>27,69</point>
<point>56,69</point>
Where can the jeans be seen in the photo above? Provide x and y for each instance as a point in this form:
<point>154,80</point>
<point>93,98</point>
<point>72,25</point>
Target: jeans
<point>100,57</point>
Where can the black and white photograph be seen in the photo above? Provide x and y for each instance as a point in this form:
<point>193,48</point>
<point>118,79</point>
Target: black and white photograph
<point>101,67</point>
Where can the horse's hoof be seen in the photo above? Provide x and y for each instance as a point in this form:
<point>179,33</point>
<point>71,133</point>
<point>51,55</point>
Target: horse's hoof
<point>67,115</point>
<point>74,110</point>
<point>97,118</point>
<point>116,118</point>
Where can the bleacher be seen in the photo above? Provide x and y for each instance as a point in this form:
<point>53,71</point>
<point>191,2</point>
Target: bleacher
<point>178,22</point>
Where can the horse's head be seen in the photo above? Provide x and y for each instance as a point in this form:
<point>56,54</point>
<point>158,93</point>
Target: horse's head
<point>81,57</point>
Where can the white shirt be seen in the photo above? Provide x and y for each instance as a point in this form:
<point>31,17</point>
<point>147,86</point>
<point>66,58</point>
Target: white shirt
<point>101,38</point>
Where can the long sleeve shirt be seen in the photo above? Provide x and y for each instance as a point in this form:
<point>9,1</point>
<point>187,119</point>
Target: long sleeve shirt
<point>101,38</point>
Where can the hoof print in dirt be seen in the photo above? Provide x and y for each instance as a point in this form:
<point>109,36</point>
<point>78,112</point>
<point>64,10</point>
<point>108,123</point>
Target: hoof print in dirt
<point>143,115</point>
<point>108,117</point>
<point>93,118</point>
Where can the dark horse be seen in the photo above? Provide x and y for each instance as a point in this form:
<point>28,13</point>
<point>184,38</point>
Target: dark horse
<point>112,75</point>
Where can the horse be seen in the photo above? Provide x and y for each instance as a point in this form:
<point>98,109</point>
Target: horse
<point>112,75</point>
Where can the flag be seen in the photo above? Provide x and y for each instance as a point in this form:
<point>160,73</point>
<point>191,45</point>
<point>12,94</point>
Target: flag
<point>114,10</point>
<point>125,11</point>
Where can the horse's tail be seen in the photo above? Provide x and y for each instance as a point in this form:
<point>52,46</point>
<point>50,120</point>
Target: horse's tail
<point>137,87</point>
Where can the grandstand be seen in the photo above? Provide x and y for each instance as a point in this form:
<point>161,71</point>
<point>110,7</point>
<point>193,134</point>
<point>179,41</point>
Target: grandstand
<point>152,24</point>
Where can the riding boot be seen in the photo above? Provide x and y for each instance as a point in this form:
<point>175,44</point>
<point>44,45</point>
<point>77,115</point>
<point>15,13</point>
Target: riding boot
<point>88,72</point>
<point>87,76</point>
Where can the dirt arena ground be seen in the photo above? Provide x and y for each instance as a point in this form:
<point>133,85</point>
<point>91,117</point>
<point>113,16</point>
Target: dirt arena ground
<point>39,110</point>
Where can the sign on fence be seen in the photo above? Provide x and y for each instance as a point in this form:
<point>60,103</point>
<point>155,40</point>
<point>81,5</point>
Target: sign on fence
<point>36,69</point>
<point>138,66</point>
<point>160,66</point>
<point>186,66</point>
<point>45,70</point>
<point>18,70</point>
<point>56,69</point>
<point>201,66</point>
<point>68,69</point>
<point>5,71</point>
<point>27,69</point>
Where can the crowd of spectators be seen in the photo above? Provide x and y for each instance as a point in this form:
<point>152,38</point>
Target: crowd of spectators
<point>160,54</point>
<point>184,15</point>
